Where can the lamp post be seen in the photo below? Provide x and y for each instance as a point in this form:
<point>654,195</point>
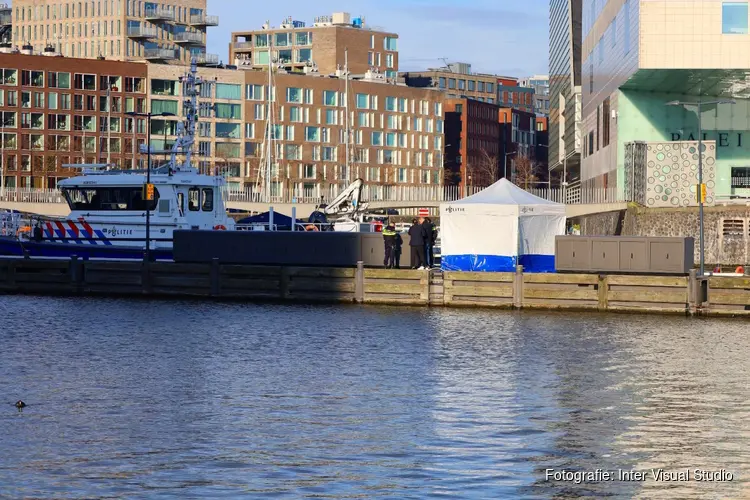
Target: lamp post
<point>699,191</point>
<point>147,254</point>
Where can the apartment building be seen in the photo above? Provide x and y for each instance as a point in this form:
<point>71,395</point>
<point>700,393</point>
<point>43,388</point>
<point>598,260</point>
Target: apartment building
<point>396,133</point>
<point>168,31</point>
<point>512,95</point>
<point>565,143</point>
<point>457,81</point>
<point>473,154</point>
<point>219,146</point>
<point>324,46</point>
<point>485,142</point>
<point>540,84</point>
<point>55,111</point>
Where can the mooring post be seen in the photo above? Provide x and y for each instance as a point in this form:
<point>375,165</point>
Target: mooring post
<point>518,288</point>
<point>359,283</point>
<point>693,292</point>
<point>603,293</point>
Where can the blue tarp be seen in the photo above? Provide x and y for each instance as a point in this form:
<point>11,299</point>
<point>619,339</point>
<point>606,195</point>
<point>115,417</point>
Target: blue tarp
<point>499,264</point>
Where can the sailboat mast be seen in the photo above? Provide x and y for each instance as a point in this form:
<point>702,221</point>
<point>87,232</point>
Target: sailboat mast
<point>347,140</point>
<point>269,128</point>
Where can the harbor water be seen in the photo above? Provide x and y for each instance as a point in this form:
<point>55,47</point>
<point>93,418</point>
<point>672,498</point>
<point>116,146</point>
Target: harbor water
<point>189,399</point>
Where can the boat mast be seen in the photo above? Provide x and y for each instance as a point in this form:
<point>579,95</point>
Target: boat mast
<point>347,140</point>
<point>269,128</point>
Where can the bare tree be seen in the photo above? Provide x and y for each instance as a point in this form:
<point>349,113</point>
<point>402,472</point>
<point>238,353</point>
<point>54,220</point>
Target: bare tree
<point>525,172</point>
<point>482,169</point>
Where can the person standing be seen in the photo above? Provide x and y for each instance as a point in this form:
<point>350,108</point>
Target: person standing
<point>416,242</point>
<point>398,249</point>
<point>389,239</point>
<point>428,228</point>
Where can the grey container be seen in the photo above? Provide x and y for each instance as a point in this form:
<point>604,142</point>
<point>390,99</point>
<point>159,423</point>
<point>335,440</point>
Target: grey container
<point>616,254</point>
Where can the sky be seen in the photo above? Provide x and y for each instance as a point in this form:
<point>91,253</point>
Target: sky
<point>505,37</point>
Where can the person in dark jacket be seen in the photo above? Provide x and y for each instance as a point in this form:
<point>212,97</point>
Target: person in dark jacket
<point>389,239</point>
<point>416,234</point>
<point>428,230</point>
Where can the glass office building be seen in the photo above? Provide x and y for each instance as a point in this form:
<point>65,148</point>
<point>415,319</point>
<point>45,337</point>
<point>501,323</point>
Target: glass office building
<point>639,55</point>
<point>565,88</point>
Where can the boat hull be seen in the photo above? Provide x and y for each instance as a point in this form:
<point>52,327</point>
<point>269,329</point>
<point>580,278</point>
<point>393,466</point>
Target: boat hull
<point>15,248</point>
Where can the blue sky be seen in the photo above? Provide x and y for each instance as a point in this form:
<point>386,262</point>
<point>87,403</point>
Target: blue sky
<point>507,37</point>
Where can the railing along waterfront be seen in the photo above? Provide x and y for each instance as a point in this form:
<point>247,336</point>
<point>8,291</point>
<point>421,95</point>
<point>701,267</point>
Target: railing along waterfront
<point>572,195</point>
<point>30,195</point>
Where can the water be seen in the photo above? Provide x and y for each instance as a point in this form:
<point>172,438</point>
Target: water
<point>161,399</point>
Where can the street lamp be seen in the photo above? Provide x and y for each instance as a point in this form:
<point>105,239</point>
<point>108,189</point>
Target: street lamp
<point>147,255</point>
<point>699,191</point>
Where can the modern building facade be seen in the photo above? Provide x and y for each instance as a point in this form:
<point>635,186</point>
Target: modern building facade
<point>512,95</point>
<point>473,142</point>
<point>396,133</point>
<point>485,142</point>
<point>540,84</point>
<point>457,81</point>
<point>565,137</point>
<point>639,56</point>
<point>325,46</point>
<point>168,31</point>
<point>55,111</point>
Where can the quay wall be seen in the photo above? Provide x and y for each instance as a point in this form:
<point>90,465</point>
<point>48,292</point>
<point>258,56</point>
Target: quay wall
<point>727,229</point>
<point>686,295</point>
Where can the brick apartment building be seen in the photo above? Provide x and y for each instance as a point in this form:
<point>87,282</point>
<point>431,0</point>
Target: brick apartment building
<point>457,81</point>
<point>485,142</point>
<point>323,45</point>
<point>168,31</point>
<point>54,112</point>
<point>397,132</point>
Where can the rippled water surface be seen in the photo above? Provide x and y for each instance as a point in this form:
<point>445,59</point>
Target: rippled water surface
<point>132,398</point>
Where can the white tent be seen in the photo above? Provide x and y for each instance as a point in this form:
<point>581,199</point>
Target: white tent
<point>499,228</point>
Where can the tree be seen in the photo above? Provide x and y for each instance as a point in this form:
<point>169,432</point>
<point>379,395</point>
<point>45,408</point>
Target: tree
<point>482,169</point>
<point>525,172</point>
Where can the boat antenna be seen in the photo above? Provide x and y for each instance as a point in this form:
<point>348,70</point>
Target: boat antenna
<point>186,130</point>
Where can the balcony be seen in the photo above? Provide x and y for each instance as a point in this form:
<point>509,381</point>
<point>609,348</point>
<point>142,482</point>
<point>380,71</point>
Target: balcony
<point>243,45</point>
<point>206,59</point>
<point>6,18</point>
<point>142,32</point>
<point>188,38</point>
<point>159,54</point>
<point>200,20</point>
<point>159,14</point>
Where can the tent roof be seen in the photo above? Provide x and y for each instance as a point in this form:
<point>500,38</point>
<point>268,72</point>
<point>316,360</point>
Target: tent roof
<point>504,192</point>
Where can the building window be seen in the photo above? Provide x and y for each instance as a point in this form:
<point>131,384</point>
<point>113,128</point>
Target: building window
<point>294,95</point>
<point>363,101</point>
<point>626,25</point>
<point>254,92</point>
<point>451,83</point>
<point>606,120</point>
<point>228,91</point>
<point>441,82</point>
<point>390,43</point>
<point>734,17</point>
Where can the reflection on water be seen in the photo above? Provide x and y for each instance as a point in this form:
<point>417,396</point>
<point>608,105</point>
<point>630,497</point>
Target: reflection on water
<point>136,398</point>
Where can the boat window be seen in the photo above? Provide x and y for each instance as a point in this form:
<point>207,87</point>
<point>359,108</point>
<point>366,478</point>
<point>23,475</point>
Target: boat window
<point>109,198</point>
<point>194,199</point>
<point>181,203</point>
<point>208,200</point>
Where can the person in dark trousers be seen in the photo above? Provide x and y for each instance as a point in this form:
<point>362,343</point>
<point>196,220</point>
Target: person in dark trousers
<point>416,233</point>
<point>397,250</point>
<point>389,239</point>
<point>428,228</point>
